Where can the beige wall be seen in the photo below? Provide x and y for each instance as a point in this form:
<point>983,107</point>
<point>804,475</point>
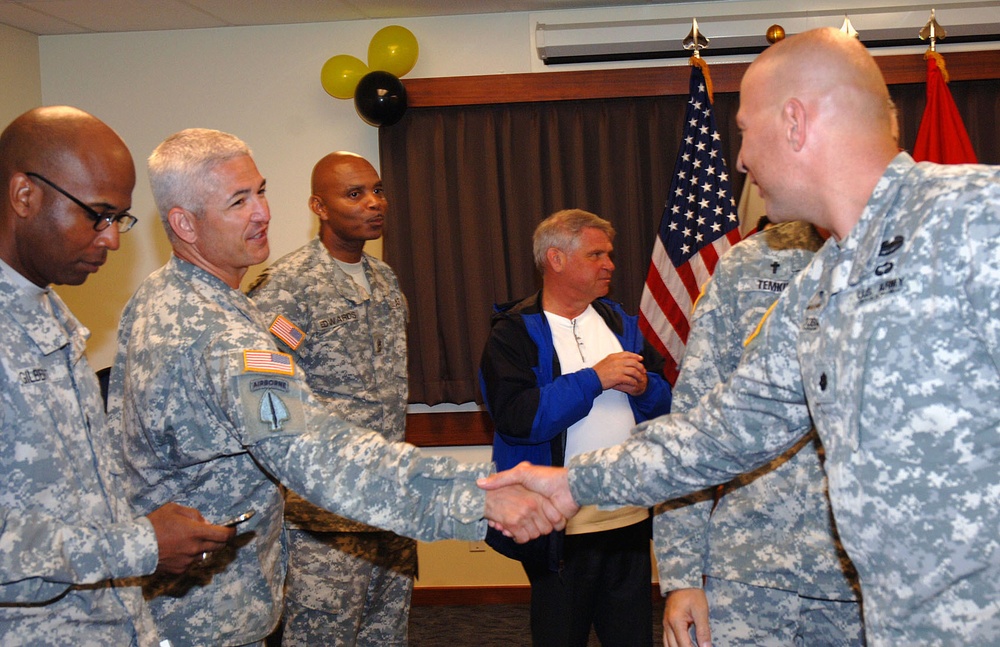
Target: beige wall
<point>19,73</point>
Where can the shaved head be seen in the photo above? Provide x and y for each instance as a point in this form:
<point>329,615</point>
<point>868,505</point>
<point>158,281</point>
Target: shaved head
<point>52,139</point>
<point>818,128</point>
<point>829,69</point>
<point>348,197</point>
<point>322,172</point>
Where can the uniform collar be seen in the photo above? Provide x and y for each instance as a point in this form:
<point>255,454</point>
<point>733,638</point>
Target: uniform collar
<point>41,313</point>
<point>865,239</point>
<point>345,285</point>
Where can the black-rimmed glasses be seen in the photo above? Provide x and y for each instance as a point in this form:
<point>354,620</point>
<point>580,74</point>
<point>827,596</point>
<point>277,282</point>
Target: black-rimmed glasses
<point>102,221</point>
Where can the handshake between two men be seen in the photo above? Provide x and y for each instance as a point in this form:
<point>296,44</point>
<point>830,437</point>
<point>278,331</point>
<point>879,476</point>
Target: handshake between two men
<point>528,501</point>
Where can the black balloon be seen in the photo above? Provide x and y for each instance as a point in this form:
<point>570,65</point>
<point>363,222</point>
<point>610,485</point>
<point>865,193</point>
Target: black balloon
<point>380,98</point>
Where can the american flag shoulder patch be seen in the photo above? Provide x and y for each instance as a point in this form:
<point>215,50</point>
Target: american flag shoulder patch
<point>286,331</point>
<point>268,361</point>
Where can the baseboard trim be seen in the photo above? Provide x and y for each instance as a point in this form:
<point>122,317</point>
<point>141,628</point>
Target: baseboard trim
<point>469,595</point>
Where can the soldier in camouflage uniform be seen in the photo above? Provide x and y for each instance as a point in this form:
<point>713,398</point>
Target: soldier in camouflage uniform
<point>342,316</point>
<point>890,338</point>
<point>214,415</point>
<point>65,531</point>
<point>775,571</point>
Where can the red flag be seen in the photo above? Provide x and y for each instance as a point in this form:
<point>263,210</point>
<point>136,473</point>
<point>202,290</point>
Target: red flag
<point>942,137</point>
<point>699,223</point>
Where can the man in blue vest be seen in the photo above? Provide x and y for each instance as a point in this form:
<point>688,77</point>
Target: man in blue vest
<point>566,371</point>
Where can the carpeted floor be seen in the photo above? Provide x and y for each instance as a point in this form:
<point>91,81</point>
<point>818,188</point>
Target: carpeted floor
<point>491,625</point>
<point>494,625</point>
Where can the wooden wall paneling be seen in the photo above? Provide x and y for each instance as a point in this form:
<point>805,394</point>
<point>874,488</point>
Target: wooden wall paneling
<point>652,81</point>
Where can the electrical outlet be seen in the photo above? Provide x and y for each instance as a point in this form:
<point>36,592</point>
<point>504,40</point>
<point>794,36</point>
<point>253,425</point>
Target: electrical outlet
<point>477,546</point>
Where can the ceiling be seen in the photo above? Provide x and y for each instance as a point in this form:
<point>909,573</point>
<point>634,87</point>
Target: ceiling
<point>51,17</point>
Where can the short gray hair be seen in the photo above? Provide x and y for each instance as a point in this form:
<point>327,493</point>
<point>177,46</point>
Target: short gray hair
<point>180,168</point>
<point>562,231</point>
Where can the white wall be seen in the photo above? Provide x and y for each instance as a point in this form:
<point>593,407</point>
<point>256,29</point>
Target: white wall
<point>19,73</point>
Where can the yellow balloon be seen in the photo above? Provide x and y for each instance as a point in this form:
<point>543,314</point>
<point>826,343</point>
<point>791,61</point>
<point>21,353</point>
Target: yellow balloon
<point>340,75</point>
<point>393,49</point>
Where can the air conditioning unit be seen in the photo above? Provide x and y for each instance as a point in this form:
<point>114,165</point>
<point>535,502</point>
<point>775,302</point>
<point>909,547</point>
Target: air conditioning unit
<point>624,40</point>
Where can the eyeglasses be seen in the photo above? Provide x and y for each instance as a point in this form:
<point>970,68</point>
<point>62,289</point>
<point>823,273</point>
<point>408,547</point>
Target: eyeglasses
<point>102,221</point>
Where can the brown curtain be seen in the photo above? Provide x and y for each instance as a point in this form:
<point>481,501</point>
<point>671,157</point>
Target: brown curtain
<point>467,186</point>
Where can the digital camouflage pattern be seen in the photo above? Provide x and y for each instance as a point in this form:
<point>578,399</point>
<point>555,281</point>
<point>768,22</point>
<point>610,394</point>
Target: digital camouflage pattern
<point>743,614</point>
<point>772,527</point>
<point>353,352</point>
<point>343,588</point>
<point>206,422</point>
<point>65,529</point>
<point>371,578</point>
<point>892,338</point>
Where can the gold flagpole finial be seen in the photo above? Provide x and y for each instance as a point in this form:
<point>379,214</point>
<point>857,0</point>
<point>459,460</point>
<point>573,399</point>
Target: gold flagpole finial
<point>774,34</point>
<point>932,32</point>
<point>695,40</point>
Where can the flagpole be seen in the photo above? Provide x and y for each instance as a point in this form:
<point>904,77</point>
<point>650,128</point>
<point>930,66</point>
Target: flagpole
<point>942,136</point>
<point>697,42</point>
<point>698,223</point>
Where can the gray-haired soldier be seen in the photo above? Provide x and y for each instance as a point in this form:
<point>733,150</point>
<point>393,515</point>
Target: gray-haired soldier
<point>890,339</point>
<point>214,414</point>
<point>66,531</point>
<point>774,570</point>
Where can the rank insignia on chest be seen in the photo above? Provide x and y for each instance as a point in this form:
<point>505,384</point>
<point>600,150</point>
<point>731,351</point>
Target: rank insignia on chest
<point>267,361</point>
<point>286,331</point>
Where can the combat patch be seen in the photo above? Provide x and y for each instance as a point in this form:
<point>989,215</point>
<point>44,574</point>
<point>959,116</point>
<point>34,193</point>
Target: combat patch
<point>816,305</point>
<point>286,331</point>
<point>269,404</point>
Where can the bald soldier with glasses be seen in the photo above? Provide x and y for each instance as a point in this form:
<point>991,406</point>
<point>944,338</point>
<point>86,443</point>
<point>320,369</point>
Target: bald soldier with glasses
<point>66,532</point>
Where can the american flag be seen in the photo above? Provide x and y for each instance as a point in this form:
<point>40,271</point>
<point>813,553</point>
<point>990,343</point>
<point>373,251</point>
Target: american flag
<point>698,225</point>
<point>266,361</point>
<point>286,331</point>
